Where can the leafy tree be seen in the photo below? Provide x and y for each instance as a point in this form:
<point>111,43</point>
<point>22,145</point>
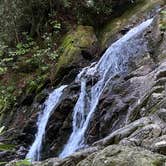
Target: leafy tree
<point>18,16</point>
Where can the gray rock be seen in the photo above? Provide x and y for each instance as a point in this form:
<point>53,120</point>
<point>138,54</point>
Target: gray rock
<point>116,155</point>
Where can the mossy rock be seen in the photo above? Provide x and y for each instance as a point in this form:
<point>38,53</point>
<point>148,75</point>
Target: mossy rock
<point>117,155</point>
<point>133,15</point>
<point>77,43</point>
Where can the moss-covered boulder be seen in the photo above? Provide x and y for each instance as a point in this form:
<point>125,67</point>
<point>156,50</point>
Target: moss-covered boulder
<point>116,155</point>
<point>78,48</point>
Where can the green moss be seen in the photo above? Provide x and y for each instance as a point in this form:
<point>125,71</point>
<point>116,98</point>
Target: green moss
<point>23,163</point>
<point>133,13</point>
<point>158,162</point>
<point>72,44</point>
<point>6,147</point>
<point>3,163</point>
<point>157,106</point>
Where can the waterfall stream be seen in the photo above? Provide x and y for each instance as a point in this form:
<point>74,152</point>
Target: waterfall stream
<point>49,106</point>
<point>114,61</point>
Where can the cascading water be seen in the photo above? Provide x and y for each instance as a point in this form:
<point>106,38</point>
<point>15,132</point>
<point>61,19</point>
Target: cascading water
<point>114,61</point>
<point>50,105</point>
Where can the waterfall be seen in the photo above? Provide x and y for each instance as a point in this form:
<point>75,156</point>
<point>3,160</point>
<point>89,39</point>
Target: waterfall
<point>49,106</point>
<point>114,61</point>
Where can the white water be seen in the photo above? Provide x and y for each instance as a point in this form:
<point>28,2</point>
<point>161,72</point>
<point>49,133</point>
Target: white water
<point>50,105</point>
<point>114,61</point>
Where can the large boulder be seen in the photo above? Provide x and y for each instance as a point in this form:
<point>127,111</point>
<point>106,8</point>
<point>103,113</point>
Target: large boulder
<point>78,48</point>
<point>116,155</point>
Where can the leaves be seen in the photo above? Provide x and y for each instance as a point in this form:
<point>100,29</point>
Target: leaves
<point>163,12</point>
<point>163,21</point>
<point>6,147</point>
<point>23,163</point>
<point>1,129</point>
<point>2,163</point>
<point>56,25</point>
<point>6,97</point>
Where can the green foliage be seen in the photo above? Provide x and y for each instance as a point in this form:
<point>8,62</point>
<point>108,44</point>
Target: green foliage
<point>56,25</point>
<point>3,70</point>
<point>101,7</point>
<point>18,16</point>
<point>163,20</point>
<point>2,130</point>
<point>3,59</point>
<point>23,163</point>
<point>10,15</point>
<point>27,57</point>
<point>67,3</point>
<point>54,55</point>
<point>5,147</point>
<point>28,54</point>
<point>6,97</point>
<point>2,163</point>
<point>34,86</point>
<point>24,47</point>
<point>163,12</point>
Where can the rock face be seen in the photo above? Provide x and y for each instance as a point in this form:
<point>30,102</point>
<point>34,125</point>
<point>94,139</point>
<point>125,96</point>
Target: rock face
<point>135,94</point>
<point>123,156</point>
<point>60,123</point>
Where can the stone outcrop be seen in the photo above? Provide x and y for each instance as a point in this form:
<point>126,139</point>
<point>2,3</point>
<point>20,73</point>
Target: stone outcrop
<point>123,156</point>
<point>117,155</point>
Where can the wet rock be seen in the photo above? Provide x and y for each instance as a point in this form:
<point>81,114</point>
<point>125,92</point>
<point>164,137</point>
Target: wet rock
<point>160,147</point>
<point>59,125</point>
<point>21,152</point>
<point>69,161</point>
<point>162,114</point>
<point>117,155</point>
<point>132,96</point>
<point>7,156</point>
